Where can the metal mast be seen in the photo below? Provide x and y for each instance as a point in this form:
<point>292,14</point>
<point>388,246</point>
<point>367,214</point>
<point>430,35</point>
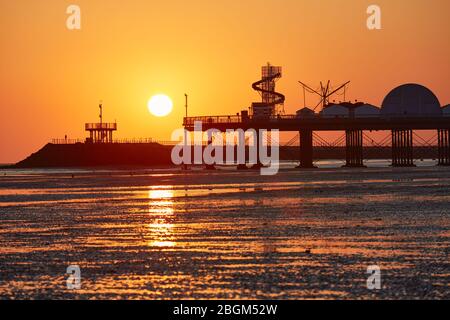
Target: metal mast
<point>324,94</point>
<point>186,104</point>
<point>101,112</point>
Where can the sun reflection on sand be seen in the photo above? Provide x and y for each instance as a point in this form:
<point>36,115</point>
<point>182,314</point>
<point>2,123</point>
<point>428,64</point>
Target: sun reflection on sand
<point>158,194</point>
<point>160,230</point>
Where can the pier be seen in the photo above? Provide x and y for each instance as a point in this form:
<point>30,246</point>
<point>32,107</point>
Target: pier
<point>405,109</point>
<point>401,131</point>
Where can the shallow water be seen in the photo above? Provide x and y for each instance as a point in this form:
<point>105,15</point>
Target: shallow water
<point>168,234</point>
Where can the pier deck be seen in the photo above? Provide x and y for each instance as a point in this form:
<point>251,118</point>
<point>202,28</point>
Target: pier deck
<point>401,127</point>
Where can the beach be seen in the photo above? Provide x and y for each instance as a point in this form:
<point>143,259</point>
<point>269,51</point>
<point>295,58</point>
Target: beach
<point>225,234</point>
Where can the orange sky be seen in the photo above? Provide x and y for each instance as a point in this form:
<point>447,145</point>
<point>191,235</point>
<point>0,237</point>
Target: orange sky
<point>52,79</point>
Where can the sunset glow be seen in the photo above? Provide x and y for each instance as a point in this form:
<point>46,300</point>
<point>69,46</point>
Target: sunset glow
<point>212,50</point>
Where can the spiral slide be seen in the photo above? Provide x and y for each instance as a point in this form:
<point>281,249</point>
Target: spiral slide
<point>257,86</point>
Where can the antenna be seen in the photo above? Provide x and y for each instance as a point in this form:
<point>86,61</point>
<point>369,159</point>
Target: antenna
<point>101,111</point>
<point>304,97</point>
<point>186,104</point>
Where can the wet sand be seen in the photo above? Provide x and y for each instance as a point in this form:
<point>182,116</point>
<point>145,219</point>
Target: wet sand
<point>225,234</point>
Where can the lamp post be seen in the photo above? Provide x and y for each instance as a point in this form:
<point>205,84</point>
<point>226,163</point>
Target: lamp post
<point>186,104</point>
<point>185,167</point>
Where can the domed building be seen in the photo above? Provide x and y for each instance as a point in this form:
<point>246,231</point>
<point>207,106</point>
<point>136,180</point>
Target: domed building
<point>335,111</point>
<point>446,110</point>
<point>305,113</point>
<point>366,110</point>
<point>411,100</point>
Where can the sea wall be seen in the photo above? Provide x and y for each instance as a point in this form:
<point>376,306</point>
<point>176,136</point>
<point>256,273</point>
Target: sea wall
<point>156,155</point>
<point>95,155</point>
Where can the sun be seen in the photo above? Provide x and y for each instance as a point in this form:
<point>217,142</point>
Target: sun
<point>160,105</point>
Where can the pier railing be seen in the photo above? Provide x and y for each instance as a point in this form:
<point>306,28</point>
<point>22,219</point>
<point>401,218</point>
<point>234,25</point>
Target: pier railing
<point>189,121</point>
<point>116,141</point>
<point>101,126</point>
<point>321,122</point>
<point>67,141</point>
<point>212,119</point>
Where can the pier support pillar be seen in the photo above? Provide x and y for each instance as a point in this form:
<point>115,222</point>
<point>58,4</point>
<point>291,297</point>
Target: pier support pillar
<point>444,147</point>
<point>306,149</point>
<point>210,166</point>
<point>257,141</point>
<point>241,146</point>
<point>402,148</point>
<point>354,149</point>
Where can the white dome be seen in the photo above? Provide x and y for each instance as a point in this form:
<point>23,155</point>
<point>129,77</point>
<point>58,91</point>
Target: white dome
<point>411,100</point>
<point>305,113</point>
<point>367,110</point>
<point>335,111</point>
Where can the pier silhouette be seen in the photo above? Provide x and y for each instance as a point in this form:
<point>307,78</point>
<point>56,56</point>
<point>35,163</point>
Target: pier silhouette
<point>406,108</point>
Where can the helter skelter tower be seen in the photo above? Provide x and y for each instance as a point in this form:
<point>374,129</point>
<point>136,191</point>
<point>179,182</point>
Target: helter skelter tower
<point>272,103</point>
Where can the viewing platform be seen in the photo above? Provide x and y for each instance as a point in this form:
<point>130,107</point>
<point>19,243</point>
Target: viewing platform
<point>100,132</point>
